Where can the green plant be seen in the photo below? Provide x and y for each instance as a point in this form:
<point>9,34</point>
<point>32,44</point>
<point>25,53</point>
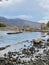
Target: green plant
<point>2,24</point>
<point>48,24</point>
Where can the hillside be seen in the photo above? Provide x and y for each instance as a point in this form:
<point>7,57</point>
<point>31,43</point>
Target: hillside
<point>19,22</point>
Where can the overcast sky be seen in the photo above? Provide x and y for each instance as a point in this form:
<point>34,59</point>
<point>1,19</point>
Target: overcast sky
<point>34,10</point>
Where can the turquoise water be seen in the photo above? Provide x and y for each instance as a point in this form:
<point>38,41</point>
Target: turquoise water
<point>14,38</point>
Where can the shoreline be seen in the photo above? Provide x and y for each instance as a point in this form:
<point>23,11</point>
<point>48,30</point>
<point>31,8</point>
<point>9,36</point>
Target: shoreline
<point>35,52</point>
<point>12,57</point>
<point>22,29</point>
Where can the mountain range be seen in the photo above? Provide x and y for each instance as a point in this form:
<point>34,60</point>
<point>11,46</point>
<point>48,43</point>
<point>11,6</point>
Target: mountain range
<point>19,22</point>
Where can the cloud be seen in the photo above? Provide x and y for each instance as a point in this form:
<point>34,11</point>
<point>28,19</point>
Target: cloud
<point>27,17</point>
<point>6,3</point>
<point>24,16</point>
<point>35,10</point>
<point>43,21</point>
<point>44,4</point>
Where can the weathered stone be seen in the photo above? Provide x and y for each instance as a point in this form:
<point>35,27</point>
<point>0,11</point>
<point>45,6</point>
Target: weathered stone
<point>37,41</point>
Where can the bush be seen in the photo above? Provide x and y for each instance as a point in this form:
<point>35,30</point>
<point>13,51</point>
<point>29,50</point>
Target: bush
<point>2,24</point>
<point>48,24</point>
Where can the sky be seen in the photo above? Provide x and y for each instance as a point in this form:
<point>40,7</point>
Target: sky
<point>33,10</point>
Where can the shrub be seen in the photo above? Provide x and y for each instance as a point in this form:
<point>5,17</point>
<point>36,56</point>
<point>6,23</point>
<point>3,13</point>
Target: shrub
<point>2,24</point>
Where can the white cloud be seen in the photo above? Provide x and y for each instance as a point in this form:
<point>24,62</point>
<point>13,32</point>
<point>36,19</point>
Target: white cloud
<point>5,3</point>
<point>39,9</point>
<point>25,16</point>
<point>46,17</point>
<point>43,21</point>
<point>44,4</point>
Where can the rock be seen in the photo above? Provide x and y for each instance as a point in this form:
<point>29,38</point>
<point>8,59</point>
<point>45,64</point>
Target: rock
<point>37,50</point>
<point>32,59</point>
<point>39,62</point>
<point>32,49</point>
<point>37,41</point>
<point>3,48</point>
<point>47,43</point>
<point>48,33</point>
<point>43,39</point>
<point>24,45</point>
<point>48,40</point>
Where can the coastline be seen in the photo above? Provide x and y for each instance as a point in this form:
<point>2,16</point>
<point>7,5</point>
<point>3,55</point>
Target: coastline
<point>22,29</point>
<point>33,49</point>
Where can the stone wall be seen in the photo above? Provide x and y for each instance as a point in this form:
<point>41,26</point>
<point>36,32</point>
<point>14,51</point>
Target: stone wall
<point>9,28</point>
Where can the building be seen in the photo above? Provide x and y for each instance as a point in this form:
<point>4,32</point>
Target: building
<point>43,26</point>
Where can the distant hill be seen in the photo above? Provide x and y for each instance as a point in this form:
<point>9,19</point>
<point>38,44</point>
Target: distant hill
<point>20,22</point>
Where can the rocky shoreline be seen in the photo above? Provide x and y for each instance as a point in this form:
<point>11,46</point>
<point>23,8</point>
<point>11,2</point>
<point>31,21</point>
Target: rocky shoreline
<point>37,53</point>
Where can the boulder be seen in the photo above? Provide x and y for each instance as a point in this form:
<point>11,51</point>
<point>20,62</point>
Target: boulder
<point>37,41</point>
<point>48,33</point>
<point>48,40</point>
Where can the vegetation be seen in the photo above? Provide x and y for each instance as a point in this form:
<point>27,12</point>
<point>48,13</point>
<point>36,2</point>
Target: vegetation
<point>2,24</point>
<point>48,24</point>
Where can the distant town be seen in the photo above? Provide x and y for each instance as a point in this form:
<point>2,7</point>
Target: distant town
<point>43,27</point>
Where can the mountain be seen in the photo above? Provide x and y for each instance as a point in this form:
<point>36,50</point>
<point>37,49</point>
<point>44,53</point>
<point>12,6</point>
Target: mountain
<point>19,22</point>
